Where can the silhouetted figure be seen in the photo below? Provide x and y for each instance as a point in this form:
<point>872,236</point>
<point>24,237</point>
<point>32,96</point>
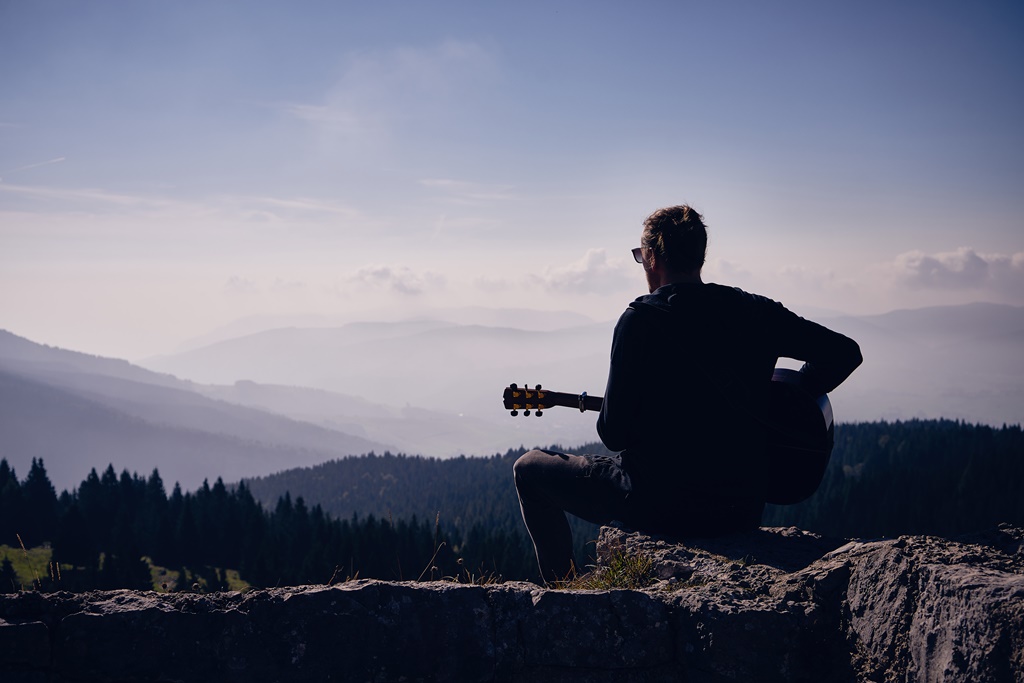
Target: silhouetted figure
<point>690,462</point>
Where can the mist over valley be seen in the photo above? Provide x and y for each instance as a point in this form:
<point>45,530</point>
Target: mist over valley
<point>285,397</point>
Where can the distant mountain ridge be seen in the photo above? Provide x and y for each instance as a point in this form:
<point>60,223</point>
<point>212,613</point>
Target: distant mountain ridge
<point>959,362</point>
<point>431,387</point>
<point>522,318</point>
<point>442,380</point>
<point>365,359</point>
<point>28,354</point>
<point>968,319</point>
<point>948,361</point>
<point>79,411</point>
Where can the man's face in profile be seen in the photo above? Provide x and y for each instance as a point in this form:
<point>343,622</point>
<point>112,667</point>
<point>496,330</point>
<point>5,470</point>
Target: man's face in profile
<point>647,261</point>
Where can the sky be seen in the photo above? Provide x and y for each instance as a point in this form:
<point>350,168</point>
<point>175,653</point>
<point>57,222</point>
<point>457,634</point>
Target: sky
<point>167,168</point>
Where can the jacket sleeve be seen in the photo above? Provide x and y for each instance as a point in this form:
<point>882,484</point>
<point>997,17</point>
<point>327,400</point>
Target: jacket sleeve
<point>829,357</point>
<point>619,415</point>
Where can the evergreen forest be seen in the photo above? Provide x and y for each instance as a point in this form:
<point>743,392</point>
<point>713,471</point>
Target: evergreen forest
<point>406,517</point>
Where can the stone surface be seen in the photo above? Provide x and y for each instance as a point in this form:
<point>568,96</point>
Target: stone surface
<point>916,608</point>
<point>771,605</point>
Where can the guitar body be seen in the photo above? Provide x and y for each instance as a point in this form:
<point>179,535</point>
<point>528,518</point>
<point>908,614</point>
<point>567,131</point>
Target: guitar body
<point>799,427</point>
<point>801,434</point>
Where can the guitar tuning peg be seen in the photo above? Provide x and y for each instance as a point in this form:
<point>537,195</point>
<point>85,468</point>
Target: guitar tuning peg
<point>526,413</point>
<point>539,413</point>
<point>513,386</point>
<point>538,387</point>
<point>514,413</point>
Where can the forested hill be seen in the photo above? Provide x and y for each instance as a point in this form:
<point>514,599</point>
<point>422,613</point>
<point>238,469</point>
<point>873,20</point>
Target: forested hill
<point>465,495</point>
<point>374,515</point>
<point>401,486</point>
<point>939,477</point>
<point>884,479</point>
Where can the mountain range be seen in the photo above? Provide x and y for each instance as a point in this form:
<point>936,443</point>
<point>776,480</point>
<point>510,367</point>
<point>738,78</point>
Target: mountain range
<point>78,411</point>
<point>961,362</point>
<point>273,399</point>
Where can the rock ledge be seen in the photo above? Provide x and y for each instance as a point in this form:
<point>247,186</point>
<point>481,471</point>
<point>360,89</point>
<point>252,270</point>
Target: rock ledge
<point>771,605</point>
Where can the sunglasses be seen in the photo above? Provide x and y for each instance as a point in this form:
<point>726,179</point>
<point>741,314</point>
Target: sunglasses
<point>637,256</point>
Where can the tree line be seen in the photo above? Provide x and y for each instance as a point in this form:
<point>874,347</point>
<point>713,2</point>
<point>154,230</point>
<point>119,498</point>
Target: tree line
<point>472,497</point>
<point>939,477</point>
<point>395,516</point>
<point>100,532</point>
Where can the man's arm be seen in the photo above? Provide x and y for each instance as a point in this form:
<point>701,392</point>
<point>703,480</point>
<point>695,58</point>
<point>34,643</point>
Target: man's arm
<point>829,357</point>
<point>622,400</point>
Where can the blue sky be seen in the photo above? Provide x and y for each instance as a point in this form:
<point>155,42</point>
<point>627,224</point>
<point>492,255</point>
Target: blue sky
<point>169,167</point>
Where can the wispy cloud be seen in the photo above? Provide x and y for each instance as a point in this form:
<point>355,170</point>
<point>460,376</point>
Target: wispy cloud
<point>468,193</point>
<point>240,205</point>
<point>88,194</point>
<point>36,165</point>
<point>379,90</point>
<point>306,204</point>
<point>594,273</point>
<point>398,279</point>
<point>239,285</point>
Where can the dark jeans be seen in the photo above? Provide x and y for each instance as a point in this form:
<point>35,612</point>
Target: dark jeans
<point>593,487</point>
<point>597,489</point>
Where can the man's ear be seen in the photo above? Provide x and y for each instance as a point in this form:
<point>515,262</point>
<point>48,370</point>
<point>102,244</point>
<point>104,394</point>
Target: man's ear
<point>651,261</point>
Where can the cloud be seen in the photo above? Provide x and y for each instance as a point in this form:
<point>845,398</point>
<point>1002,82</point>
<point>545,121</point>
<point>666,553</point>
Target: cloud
<point>379,90</point>
<point>225,206</point>
<point>468,193</point>
<point>436,70</point>
<point>88,194</point>
<point>238,285</point>
<point>401,279</point>
<point>963,269</point>
<point>37,165</point>
<point>307,204</point>
<point>592,274</point>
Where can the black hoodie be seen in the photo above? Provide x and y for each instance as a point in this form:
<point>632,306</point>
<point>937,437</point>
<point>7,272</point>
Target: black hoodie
<point>688,364</point>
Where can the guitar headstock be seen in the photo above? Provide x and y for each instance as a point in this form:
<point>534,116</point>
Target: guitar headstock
<point>523,398</point>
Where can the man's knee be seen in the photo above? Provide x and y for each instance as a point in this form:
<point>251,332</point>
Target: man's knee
<point>528,465</point>
<point>538,466</point>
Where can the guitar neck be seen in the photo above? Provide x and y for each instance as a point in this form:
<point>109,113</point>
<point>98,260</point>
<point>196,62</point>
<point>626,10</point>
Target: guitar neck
<point>557,398</point>
<point>523,398</point>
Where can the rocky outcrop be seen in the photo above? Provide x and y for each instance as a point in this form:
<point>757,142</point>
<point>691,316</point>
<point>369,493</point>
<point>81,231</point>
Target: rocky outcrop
<point>782,604</point>
<point>772,605</point>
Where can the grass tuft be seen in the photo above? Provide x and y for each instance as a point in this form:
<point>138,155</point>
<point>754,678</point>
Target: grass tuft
<point>630,572</point>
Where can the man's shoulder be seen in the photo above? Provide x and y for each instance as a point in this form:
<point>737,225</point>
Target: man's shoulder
<point>740,296</point>
<point>682,298</point>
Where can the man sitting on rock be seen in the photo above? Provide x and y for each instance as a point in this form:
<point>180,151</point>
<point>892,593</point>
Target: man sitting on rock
<point>683,360</point>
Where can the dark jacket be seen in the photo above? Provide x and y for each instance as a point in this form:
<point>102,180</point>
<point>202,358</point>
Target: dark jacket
<point>686,361</point>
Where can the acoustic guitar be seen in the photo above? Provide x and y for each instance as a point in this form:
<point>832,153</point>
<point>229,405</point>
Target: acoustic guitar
<point>800,430</point>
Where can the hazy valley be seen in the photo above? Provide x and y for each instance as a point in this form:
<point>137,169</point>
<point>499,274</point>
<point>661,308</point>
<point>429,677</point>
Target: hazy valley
<point>277,398</point>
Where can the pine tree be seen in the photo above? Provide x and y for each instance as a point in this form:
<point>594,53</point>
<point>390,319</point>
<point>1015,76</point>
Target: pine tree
<point>74,543</point>
<point>10,503</point>
<point>8,578</point>
<point>39,517</point>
